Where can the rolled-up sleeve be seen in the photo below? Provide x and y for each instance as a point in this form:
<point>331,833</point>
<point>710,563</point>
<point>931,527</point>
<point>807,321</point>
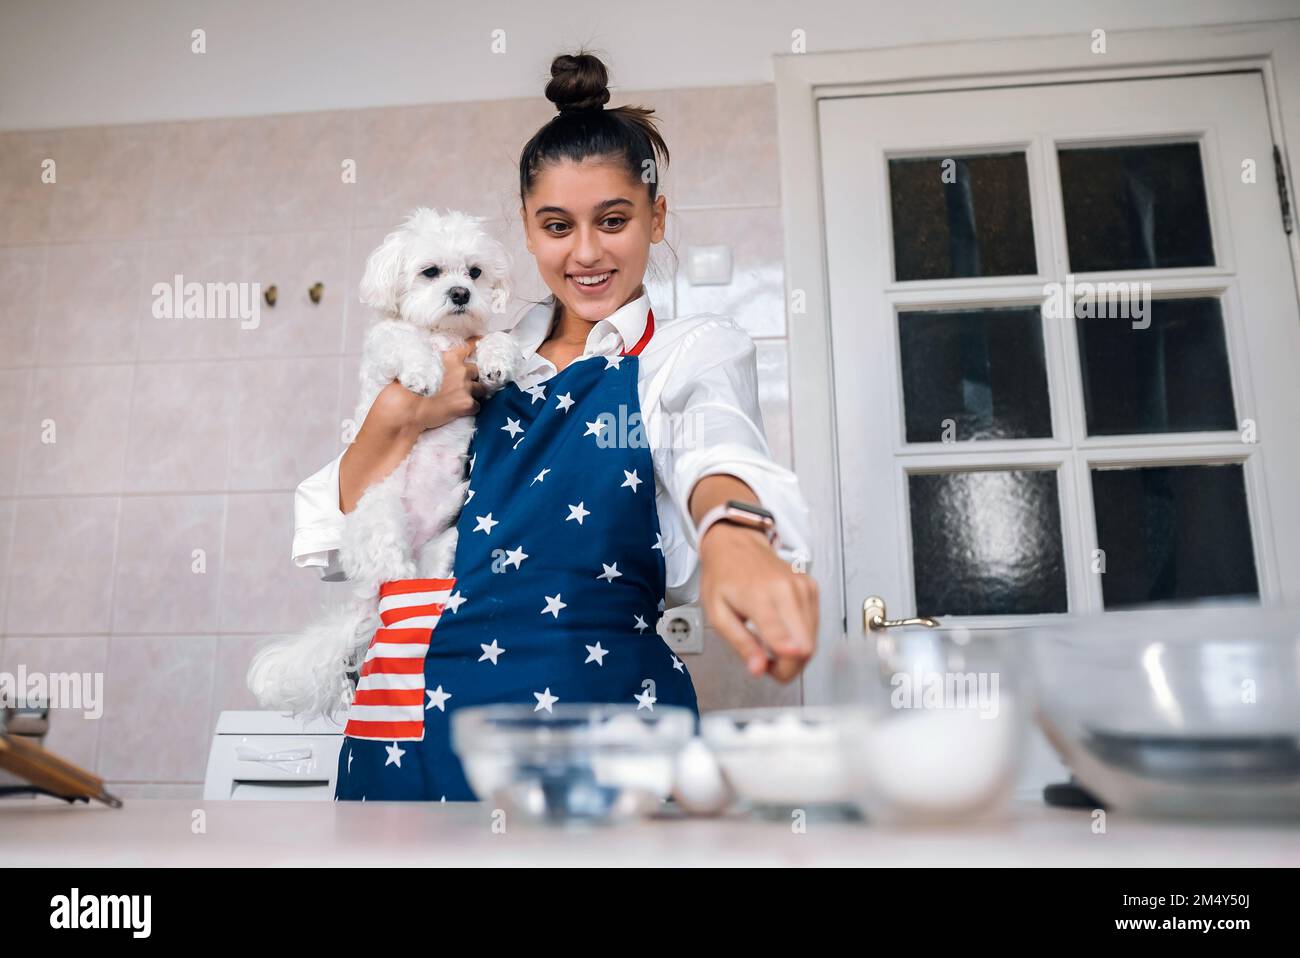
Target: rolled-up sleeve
<point>318,522</point>
<point>716,427</point>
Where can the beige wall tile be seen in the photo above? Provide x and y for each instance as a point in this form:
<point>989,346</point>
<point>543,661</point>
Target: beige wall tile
<point>205,179</point>
<point>60,569</point>
<point>88,407</point>
<point>293,262</point>
<point>182,427</point>
<point>200,259</point>
<point>14,384</point>
<point>298,171</point>
<point>74,733</point>
<point>727,140</point>
<point>90,310</point>
<point>157,725</point>
<point>160,585</point>
<point>105,175</point>
<point>22,276</point>
<point>283,427</point>
<point>25,199</point>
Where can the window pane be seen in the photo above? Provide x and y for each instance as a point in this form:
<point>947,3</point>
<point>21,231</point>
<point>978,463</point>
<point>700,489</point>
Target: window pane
<point>961,216</point>
<point>1169,377</point>
<point>982,369</point>
<point>1172,533</point>
<point>1135,207</point>
<point>987,542</point>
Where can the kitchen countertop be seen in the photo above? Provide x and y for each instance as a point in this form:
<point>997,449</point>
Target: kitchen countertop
<point>49,833</point>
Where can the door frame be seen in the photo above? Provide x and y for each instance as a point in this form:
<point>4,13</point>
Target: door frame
<point>1271,47</point>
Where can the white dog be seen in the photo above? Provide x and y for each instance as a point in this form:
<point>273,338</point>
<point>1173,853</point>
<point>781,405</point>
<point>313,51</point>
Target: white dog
<point>434,283</point>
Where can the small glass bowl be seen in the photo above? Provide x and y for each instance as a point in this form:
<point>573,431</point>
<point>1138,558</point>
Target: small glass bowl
<point>781,760</point>
<point>592,763</point>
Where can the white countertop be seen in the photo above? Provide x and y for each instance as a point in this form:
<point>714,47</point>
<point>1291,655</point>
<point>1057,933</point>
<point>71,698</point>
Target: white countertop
<point>50,833</point>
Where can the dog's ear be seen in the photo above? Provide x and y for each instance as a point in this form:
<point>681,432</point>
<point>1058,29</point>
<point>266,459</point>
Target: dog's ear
<point>379,284</point>
<point>501,288</point>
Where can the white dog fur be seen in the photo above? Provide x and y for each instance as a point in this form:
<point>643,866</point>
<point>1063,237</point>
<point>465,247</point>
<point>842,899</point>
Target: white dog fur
<point>404,526</point>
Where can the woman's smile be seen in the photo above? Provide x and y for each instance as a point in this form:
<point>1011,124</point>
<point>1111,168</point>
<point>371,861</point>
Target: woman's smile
<point>592,284</point>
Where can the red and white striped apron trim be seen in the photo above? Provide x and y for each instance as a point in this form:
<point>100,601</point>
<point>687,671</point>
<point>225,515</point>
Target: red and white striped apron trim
<point>388,704</point>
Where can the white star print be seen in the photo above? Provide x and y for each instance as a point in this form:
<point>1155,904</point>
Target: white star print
<point>545,700</point>
<point>577,512</point>
<point>490,651</point>
<point>645,701</point>
<point>565,402</point>
<point>661,605</point>
<point>540,476</point>
<point>537,391</point>
<point>471,461</point>
<point>349,761</point>
<point>512,426</point>
<point>554,605</point>
<point>641,624</point>
<point>517,442</point>
<point>594,428</point>
<point>632,479</point>
<point>395,753</point>
<point>437,697</point>
<point>678,664</point>
<point>515,556</point>
<point>659,542</point>
<point>597,654</point>
<point>611,362</point>
<point>611,572</point>
<point>454,601</point>
<point>485,523</point>
<point>469,494</point>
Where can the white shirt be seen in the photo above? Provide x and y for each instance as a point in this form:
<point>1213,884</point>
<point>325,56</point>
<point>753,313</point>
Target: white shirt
<point>698,388</point>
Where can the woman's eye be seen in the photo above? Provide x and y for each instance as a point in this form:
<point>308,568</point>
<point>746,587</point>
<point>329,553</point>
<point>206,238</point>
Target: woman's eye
<point>619,219</point>
<point>431,272</point>
<point>548,229</point>
<point>475,272</point>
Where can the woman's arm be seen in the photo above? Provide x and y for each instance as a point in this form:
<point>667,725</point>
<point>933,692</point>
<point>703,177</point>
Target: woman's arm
<point>718,452</point>
<point>398,416</point>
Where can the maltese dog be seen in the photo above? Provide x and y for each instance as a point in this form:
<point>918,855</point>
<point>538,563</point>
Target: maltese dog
<point>433,282</point>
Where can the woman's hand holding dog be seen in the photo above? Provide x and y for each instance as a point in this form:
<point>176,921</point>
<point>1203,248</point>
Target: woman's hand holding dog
<point>398,416</point>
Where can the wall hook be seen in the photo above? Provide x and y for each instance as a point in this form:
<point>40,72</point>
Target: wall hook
<point>316,291</point>
<point>269,295</point>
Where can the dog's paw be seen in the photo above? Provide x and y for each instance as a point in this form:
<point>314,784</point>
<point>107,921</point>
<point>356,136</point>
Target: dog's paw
<point>499,360</point>
<point>426,381</point>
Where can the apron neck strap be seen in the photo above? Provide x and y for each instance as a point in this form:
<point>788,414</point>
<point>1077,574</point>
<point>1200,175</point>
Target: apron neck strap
<point>645,337</point>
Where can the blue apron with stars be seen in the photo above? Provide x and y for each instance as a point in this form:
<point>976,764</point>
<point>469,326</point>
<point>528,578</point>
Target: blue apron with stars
<point>558,584</point>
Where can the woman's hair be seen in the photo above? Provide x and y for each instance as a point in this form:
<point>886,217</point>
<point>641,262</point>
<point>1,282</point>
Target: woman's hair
<point>583,128</point>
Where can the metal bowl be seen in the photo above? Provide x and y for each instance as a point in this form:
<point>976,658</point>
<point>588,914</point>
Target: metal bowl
<point>1181,711</point>
<point>580,762</point>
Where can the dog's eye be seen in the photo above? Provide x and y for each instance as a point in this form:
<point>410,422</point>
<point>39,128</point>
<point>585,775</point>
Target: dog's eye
<point>431,272</point>
<point>475,272</point>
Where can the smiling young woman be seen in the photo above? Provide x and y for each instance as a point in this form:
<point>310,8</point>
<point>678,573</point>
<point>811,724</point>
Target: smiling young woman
<point>596,531</point>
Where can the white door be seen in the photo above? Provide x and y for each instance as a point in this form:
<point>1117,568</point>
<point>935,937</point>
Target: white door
<point>1003,460</point>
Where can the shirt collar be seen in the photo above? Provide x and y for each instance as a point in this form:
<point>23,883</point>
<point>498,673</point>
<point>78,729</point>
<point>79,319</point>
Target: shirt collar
<point>616,333</point>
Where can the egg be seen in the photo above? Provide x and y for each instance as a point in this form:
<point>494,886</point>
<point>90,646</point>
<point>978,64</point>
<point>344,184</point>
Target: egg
<point>700,787</point>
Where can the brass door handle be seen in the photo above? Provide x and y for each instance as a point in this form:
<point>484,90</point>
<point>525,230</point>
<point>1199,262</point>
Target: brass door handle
<point>873,617</point>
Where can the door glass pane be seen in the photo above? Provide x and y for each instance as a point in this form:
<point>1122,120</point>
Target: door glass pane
<point>1173,533</point>
<point>1135,207</point>
<point>974,374</point>
<point>961,216</point>
<point>1171,376</point>
<point>987,542</point>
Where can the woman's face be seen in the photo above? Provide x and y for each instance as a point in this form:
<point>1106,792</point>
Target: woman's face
<point>589,219</point>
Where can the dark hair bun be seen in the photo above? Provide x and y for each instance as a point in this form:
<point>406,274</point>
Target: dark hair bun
<point>578,82</point>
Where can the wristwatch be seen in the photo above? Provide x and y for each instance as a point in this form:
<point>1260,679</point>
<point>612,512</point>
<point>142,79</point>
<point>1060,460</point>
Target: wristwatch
<point>742,514</point>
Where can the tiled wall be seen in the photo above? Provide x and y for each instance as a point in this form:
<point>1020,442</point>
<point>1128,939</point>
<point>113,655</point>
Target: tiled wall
<point>179,435</point>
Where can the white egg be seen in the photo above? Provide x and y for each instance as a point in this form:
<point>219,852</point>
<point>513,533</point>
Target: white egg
<point>700,786</point>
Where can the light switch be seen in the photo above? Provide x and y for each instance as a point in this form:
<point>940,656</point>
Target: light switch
<point>708,265</point>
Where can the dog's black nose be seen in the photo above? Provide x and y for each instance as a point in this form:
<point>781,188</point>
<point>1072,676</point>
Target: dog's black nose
<point>458,295</point>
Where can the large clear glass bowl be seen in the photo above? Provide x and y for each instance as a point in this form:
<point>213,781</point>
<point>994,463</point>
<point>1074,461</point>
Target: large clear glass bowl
<point>1184,711</point>
<point>591,763</point>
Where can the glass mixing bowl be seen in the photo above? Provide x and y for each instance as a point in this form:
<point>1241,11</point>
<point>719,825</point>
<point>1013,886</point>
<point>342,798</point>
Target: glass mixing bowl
<point>933,723</point>
<point>580,762</point>
<point>1189,710</point>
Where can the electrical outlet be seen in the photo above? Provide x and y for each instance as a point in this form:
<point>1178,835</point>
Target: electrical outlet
<point>683,629</point>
